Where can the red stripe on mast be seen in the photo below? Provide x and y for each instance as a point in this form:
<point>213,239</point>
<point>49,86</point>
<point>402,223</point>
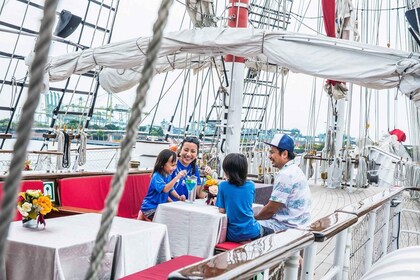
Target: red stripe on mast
<point>238,18</point>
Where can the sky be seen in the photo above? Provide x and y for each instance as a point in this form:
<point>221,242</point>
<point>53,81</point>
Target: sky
<point>136,17</point>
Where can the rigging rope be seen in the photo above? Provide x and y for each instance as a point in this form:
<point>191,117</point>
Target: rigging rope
<point>66,150</point>
<point>361,176</point>
<point>120,176</point>
<point>336,171</point>
<point>60,148</point>
<point>24,128</point>
<point>82,148</point>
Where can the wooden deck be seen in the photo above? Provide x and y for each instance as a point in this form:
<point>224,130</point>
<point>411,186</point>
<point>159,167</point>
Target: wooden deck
<point>325,201</point>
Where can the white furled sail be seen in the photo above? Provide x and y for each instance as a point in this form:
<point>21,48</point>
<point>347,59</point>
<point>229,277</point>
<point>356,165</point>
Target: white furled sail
<point>328,58</point>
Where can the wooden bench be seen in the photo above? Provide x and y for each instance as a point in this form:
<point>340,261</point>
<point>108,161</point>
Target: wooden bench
<point>88,194</point>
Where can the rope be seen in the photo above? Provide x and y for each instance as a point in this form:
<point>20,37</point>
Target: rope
<point>60,148</point>
<point>128,142</point>
<point>347,168</point>
<point>399,174</point>
<point>82,148</point>
<point>335,170</point>
<point>24,128</point>
<point>66,150</point>
<point>361,176</point>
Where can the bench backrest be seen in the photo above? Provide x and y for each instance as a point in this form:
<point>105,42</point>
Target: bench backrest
<point>90,193</point>
<point>25,185</point>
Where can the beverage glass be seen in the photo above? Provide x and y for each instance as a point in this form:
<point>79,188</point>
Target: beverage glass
<point>191,183</point>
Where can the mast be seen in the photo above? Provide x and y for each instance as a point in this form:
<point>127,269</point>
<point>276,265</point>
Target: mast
<point>238,18</point>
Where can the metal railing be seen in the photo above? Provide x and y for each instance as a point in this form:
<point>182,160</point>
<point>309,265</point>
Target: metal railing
<point>363,233</point>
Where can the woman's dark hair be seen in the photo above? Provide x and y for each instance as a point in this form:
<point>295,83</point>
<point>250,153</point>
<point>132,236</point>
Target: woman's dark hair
<point>162,159</point>
<point>195,141</point>
<point>235,166</point>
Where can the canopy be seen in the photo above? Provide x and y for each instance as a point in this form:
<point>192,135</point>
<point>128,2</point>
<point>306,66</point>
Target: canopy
<point>328,58</point>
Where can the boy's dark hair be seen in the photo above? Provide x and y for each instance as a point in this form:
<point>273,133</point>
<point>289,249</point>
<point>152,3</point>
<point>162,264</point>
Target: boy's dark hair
<point>235,166</point>
<point>162,159</point>
<point>191,139</point>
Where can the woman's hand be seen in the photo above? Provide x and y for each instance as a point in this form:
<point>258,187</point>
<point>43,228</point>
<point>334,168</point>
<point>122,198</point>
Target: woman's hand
<point>182,198</point>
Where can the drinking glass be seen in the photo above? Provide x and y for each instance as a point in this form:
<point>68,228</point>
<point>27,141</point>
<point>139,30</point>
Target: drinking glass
<point>191,182</point>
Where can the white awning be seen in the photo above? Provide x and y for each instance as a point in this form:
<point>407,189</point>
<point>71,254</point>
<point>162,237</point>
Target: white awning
<point>328,58</point>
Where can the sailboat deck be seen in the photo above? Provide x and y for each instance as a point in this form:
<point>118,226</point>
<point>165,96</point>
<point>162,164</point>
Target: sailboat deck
<point>325,201</point>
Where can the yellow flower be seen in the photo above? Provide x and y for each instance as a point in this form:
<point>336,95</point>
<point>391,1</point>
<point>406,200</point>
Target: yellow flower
<point>211,182</point>
<point>44,203</point>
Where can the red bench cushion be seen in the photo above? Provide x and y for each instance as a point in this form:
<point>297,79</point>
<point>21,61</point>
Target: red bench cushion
<point>25,185</point>
<point>90,193</point>
<point>161,271</point>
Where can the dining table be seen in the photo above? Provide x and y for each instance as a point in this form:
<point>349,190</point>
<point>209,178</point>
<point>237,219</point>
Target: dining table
<point>62,249</point>
<point>193,228</point>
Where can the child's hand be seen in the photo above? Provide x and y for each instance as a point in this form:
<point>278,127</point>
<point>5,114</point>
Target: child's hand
<point>182,198</point>
<point>207,170</point>
<point>181,174</point>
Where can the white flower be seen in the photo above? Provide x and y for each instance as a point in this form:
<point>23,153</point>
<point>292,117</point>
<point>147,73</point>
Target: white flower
<point>213,189</point>
<point>34,193</point>
<point>22,212</point>
<point>27,207</point>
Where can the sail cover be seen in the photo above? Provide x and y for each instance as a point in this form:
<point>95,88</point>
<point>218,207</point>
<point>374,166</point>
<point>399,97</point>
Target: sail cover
<point>328,58</point>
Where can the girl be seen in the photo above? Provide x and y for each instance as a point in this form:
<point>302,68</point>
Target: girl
<point>187,162</point>
<point>235,198</point>
<point>161,184</point>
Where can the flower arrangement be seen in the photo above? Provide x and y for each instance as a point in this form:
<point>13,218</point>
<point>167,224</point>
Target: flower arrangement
<point>34,205</point>
<point>211,188</point>
<point>27,165</point>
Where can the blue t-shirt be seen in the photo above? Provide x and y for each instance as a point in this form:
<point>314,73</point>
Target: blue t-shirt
<point>237,201</point>
<point>180,186</point>
<point>155,194</point>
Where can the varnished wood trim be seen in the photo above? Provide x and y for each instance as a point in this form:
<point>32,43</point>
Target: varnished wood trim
<point>5,136</point>
<point>34,152</point>
<point>368,204</point>
<point>329,226</point>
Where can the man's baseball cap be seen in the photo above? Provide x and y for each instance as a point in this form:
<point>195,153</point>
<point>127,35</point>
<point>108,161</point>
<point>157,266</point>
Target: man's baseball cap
<point>282,141</point>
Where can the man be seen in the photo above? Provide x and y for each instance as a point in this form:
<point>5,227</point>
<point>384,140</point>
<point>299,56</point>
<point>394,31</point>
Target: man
<point>290,201</point>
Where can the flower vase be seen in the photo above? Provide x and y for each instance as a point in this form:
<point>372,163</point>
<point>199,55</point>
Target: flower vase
<point>30,223</point>
<point>210,199</point>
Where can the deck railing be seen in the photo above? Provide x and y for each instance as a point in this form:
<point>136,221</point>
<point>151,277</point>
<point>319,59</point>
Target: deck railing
<point>363,233</point>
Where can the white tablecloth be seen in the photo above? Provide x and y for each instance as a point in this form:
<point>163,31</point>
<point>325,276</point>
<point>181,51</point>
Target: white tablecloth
<point>193,229</point>
<point>62,250</point>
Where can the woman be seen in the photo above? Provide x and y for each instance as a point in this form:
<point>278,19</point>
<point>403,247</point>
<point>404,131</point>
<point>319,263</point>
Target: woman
<point>187,161</point>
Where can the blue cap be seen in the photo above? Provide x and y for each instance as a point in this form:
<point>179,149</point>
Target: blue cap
<point>282,141</point>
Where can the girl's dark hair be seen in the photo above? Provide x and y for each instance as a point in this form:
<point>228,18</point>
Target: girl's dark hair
<point>195,141</point>
<point>235,166</point>
<point>162,159</point>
